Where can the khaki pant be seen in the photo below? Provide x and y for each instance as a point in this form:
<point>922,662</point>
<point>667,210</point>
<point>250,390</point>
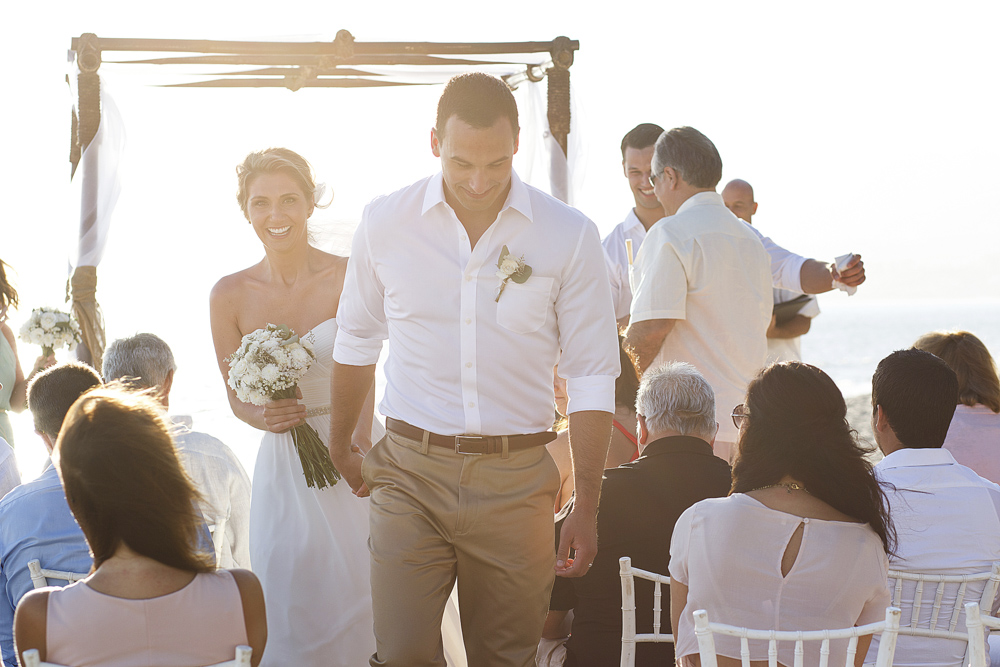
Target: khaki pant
<point>488,520</point>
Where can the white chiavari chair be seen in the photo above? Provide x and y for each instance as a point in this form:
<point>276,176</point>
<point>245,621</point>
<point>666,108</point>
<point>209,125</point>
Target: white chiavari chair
<point>705,631</point>
<point>40,575</point>
<point>977,623</point>
<point>629,635</point>
<point>933,593</point>
<point>242,659</point>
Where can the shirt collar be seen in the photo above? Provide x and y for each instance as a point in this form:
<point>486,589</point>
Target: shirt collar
<point>909,457</point>
<point>701,199</point>
<point>632,221</point>
<point>518,198</point>
<point>674,444</point>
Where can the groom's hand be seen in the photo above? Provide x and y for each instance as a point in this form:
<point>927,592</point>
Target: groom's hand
<point>579,532</point>
<point>349,467</point>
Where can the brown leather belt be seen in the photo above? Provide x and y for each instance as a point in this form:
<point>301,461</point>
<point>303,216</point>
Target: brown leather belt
<point>470,444</point>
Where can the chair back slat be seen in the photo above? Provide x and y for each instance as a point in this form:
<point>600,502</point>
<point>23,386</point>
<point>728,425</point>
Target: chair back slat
<point>918,598</point>
<point>852,650</point>
<point>772,653</point>
<point>824,653</point>
<point>657,596</point>
<point>938,597</point>
<point>744,652</point>
<point>800,652</point>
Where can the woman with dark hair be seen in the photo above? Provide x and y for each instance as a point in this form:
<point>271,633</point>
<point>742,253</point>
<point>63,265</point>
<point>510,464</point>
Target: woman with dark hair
<point>801,542</point>
<point>152,597</point>
<point>13,384</point>
<point>974,435</point>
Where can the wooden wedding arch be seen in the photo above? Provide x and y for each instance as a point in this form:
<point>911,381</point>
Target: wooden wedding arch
<point>342,63</point>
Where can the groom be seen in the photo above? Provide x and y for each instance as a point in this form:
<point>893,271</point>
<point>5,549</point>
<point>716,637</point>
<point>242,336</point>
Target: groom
<point>482,284</point>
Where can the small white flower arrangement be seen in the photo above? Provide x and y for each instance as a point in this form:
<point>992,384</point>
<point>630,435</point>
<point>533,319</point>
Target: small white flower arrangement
<point>267,366</point>
<point>510,268</point>
<point>51,329</point>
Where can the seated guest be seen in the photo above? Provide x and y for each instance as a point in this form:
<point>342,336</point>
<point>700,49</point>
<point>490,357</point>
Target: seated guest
<point>153,598</point>
<point>801,541</point>
<point>145,361</point>
<point>640,501</point>
<point>946,516</point>
<point>35,521</point>
<point>623,447</point>
<point>974,435</point>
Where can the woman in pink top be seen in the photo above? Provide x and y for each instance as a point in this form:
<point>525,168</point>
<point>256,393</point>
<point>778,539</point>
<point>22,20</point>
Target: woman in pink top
<point>801,542</point>
<point>974,435</point>
<point>152,597</point>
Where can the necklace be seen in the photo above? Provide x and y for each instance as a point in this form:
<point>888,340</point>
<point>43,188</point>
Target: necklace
<point>788,486</point>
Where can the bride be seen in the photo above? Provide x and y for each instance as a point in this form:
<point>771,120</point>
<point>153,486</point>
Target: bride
<point>307,546</point>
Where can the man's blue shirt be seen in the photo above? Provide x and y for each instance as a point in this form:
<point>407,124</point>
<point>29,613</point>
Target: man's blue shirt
<point>35,522</point>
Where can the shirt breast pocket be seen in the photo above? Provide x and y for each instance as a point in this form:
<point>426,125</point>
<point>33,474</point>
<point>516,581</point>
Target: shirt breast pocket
<point>525,308</point>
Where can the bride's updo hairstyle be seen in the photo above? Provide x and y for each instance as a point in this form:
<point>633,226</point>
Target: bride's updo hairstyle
<point>123,480</point>
<point>797,426</point>
<point>273,160</point>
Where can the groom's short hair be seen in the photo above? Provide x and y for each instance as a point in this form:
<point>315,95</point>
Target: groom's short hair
<point>478,99</point>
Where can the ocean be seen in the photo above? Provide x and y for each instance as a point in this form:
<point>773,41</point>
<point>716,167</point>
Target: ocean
<point>847,340</point>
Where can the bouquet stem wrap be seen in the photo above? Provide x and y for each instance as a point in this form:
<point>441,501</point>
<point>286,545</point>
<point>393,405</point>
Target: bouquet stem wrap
<point>313,454</point>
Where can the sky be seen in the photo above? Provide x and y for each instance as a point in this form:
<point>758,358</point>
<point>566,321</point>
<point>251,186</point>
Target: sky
<point>865,127</point>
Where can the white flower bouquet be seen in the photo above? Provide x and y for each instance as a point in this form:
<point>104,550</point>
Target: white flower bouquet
<point>268,366</point>
<point>51,328</point>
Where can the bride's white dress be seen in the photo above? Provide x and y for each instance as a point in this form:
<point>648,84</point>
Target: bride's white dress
<point>309,548</point>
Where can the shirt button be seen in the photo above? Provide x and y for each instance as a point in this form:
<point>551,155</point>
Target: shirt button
<point>468,278</point>
<point>468,364</point>
<point>471,404</point>
<point>468,320</point>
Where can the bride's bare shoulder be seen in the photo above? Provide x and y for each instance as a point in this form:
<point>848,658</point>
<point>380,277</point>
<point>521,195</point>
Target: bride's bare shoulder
<point>234,285</point>
<point>333,266</point>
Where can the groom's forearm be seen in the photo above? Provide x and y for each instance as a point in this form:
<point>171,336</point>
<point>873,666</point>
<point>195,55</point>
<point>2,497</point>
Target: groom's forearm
<point>349,389</point>
<point>589,438</point>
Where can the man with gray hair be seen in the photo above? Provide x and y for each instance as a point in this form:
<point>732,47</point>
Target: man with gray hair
<point>640,502</point>
<point>702,279</point>
<point>146,361</point>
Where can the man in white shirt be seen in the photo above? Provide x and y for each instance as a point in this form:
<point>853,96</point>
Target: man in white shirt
<point>947,518</point>
<point>788,270</point>
<point>785,332</point>
<point>145,360</point>
<point>481,284</point>
<point>702,279</point>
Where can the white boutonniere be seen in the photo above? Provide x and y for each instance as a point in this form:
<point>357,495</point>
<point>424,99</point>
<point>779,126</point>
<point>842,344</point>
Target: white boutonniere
<point>510,268</point>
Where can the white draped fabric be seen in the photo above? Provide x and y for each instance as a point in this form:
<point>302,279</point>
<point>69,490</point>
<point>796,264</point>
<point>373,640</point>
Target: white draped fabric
<point>96,183</point>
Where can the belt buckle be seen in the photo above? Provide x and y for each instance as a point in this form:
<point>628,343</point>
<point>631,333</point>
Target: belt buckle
<point>461,440</point>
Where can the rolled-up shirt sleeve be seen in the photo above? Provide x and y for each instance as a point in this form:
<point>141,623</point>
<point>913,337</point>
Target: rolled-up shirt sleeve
<point>588,333</point>
<point>786,266</point>
<point>361,318</point>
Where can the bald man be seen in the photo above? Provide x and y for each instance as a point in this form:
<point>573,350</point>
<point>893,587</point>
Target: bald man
<point>784,337</point>
<point>788,270</point>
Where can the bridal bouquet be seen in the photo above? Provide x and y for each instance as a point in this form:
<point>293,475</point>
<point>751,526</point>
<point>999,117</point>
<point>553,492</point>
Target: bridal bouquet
<point>267,366</point>
<point>51,328</point>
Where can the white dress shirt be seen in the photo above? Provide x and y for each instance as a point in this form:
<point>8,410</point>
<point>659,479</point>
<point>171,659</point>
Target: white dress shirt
<point>706,269</point>
<point>786,266</point>
<point>630,229</point>
<point>225,489</point>
<point>947,520</point>
<point>459,360</point>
